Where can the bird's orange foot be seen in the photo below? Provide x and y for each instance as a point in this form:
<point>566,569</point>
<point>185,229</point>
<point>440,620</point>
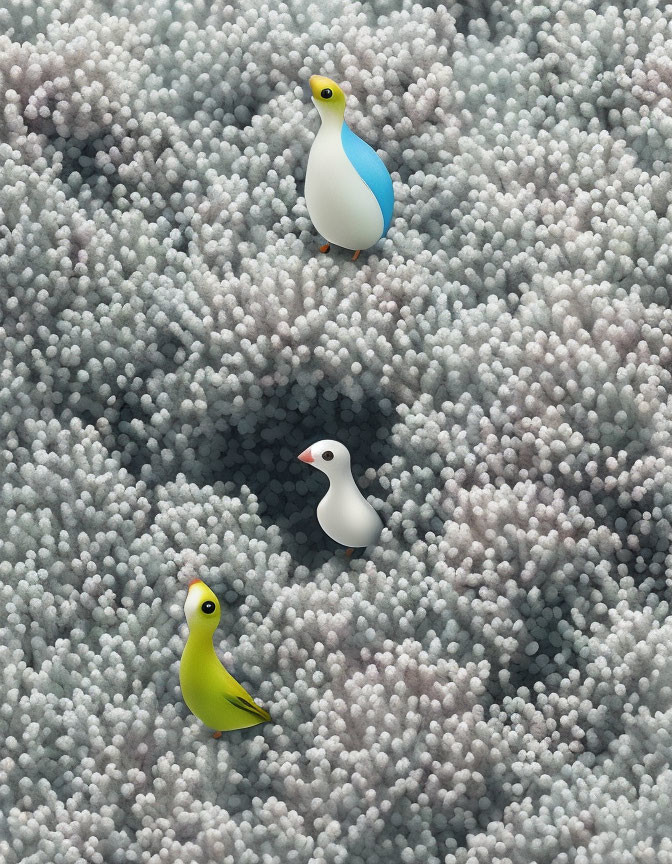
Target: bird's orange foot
<point>356,255</point>
<point>325,248</point>
<point>348,552</point>
<point>217,735</point>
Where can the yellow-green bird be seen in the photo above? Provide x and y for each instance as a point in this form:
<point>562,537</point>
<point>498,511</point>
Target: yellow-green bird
<point>213,695</point>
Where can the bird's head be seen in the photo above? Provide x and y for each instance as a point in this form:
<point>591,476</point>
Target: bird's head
<point>328,97</point>
<point>201,608</point>
<point>331,457</point>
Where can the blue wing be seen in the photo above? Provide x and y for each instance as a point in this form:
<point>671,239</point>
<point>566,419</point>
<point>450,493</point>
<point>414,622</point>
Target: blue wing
<point>371,168</point>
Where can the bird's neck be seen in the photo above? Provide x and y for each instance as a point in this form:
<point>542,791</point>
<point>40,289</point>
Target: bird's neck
<point>199,641</point>
<point>343,483</point>
<point>331,122</point>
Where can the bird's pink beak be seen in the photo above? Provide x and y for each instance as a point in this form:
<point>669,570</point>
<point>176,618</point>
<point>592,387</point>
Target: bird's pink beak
<point>194,581</point>
<point>306,456</point>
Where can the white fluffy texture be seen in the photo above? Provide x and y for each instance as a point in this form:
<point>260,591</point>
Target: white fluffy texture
<point>493,682</point>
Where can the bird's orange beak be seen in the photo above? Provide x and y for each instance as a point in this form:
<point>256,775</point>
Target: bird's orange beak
<point>194,581</point>
<point>306,456</point>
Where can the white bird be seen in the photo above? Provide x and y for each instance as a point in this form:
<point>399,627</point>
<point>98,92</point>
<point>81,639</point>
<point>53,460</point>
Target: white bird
<point>344,514</point>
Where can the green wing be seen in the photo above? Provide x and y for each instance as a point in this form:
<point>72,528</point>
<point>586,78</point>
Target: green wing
<point>250,707</point>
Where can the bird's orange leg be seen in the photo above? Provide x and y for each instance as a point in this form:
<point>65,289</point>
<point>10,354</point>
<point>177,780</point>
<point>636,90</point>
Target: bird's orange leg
<point>325,248</point>
<point>356,255</point>
<point>217,735</point>
<point>348,552</point>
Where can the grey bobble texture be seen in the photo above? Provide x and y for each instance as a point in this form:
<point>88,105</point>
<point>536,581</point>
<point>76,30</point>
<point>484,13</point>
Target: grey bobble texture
<point>492,683</point>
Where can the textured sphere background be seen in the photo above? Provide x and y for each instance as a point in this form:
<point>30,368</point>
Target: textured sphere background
<point>492,684</point>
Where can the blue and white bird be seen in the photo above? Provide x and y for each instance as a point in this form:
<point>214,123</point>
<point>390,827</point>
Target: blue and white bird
<point>348,189</point>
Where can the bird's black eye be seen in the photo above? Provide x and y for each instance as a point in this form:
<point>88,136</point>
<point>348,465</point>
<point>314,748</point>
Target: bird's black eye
<point>208,607</point>
<point>328,455</point>
<point>326,93</point>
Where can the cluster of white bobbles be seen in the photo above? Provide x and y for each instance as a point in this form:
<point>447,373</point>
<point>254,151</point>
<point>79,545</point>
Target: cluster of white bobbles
<point>490,681</point>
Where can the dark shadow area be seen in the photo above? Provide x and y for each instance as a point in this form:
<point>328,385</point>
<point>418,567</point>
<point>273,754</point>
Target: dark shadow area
<point>258,448</point>
<point>131,447</point>
<point>261,450</point>
<point>645,537</point>
<point>466,12</point>
<point>91,166</point>
<point>526,669</point>
<point>82,158</point>
<point>403,814</point>
<point>641,526</point>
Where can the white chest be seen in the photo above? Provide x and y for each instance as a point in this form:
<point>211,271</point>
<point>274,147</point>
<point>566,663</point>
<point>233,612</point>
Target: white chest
<point>342,207</point>
<point>348,518</point>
